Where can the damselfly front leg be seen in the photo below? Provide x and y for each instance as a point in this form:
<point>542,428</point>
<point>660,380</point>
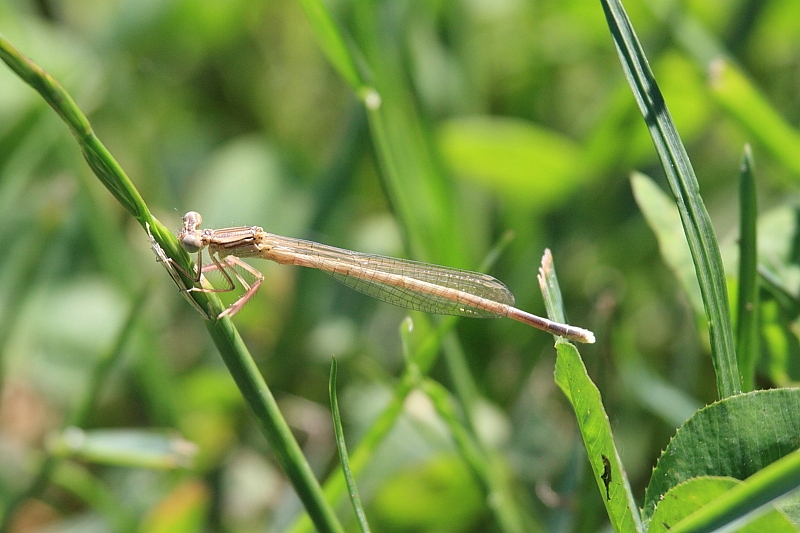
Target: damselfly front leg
<point>230,262</point>
<point>195,244</point>
<point>172,269</point>
<point>220,251</point>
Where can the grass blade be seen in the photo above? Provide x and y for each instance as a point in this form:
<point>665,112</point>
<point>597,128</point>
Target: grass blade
<point>225,336</point>
<point>583,395</point>
<point>422,359</point>
<point>747,304</point>
<point>685,189</point>
<point>333,43</point>
<point>259,397</point>
<point>342,448</point>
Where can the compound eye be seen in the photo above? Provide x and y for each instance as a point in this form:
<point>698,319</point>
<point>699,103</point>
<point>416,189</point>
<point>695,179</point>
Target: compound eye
<point>191,242</point>
<point>192,220</point>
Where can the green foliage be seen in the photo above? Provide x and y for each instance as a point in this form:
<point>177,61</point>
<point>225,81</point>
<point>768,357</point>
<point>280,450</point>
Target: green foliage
<point>684,186</point>
<point>595,429</point>
<point>735,437</point>
<point>524,163</point>
<point>428,130</point>
<point>691,495</point>
<point>747,294</point>
<point>414,500</point>
<point>341,447</point>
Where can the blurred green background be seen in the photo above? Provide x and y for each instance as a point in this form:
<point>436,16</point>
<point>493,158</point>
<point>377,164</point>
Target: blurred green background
<point>507,115</point>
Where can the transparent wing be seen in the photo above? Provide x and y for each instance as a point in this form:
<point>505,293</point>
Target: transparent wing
<point>364,273</point>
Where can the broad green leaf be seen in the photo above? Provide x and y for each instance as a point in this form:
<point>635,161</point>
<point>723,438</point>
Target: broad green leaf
<point>691,495</point>
<point>517,158</point>
<point>414,499</point>
<point>735,437</point>
<point>747,500</point>
<point>595,429</point>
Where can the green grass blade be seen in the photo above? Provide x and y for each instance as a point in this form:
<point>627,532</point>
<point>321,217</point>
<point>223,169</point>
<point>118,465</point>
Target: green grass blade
<point>341,446</point>
<point>421,361</point>
<point>279,436</point>
<point>685,189</point>
<point>747,304</point>
<point>340,52</point>
<point>583,395</point>
<point>612,482</point>
<point>229,344</point>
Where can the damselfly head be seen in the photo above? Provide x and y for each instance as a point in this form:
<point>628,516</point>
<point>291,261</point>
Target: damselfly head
<point>190,237</point>
<point>192,220</point>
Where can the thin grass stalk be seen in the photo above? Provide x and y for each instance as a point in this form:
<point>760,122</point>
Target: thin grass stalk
<point>748,302</point>
<point>425,354</point>
<point>341,446</point>
<point>225,336</point>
